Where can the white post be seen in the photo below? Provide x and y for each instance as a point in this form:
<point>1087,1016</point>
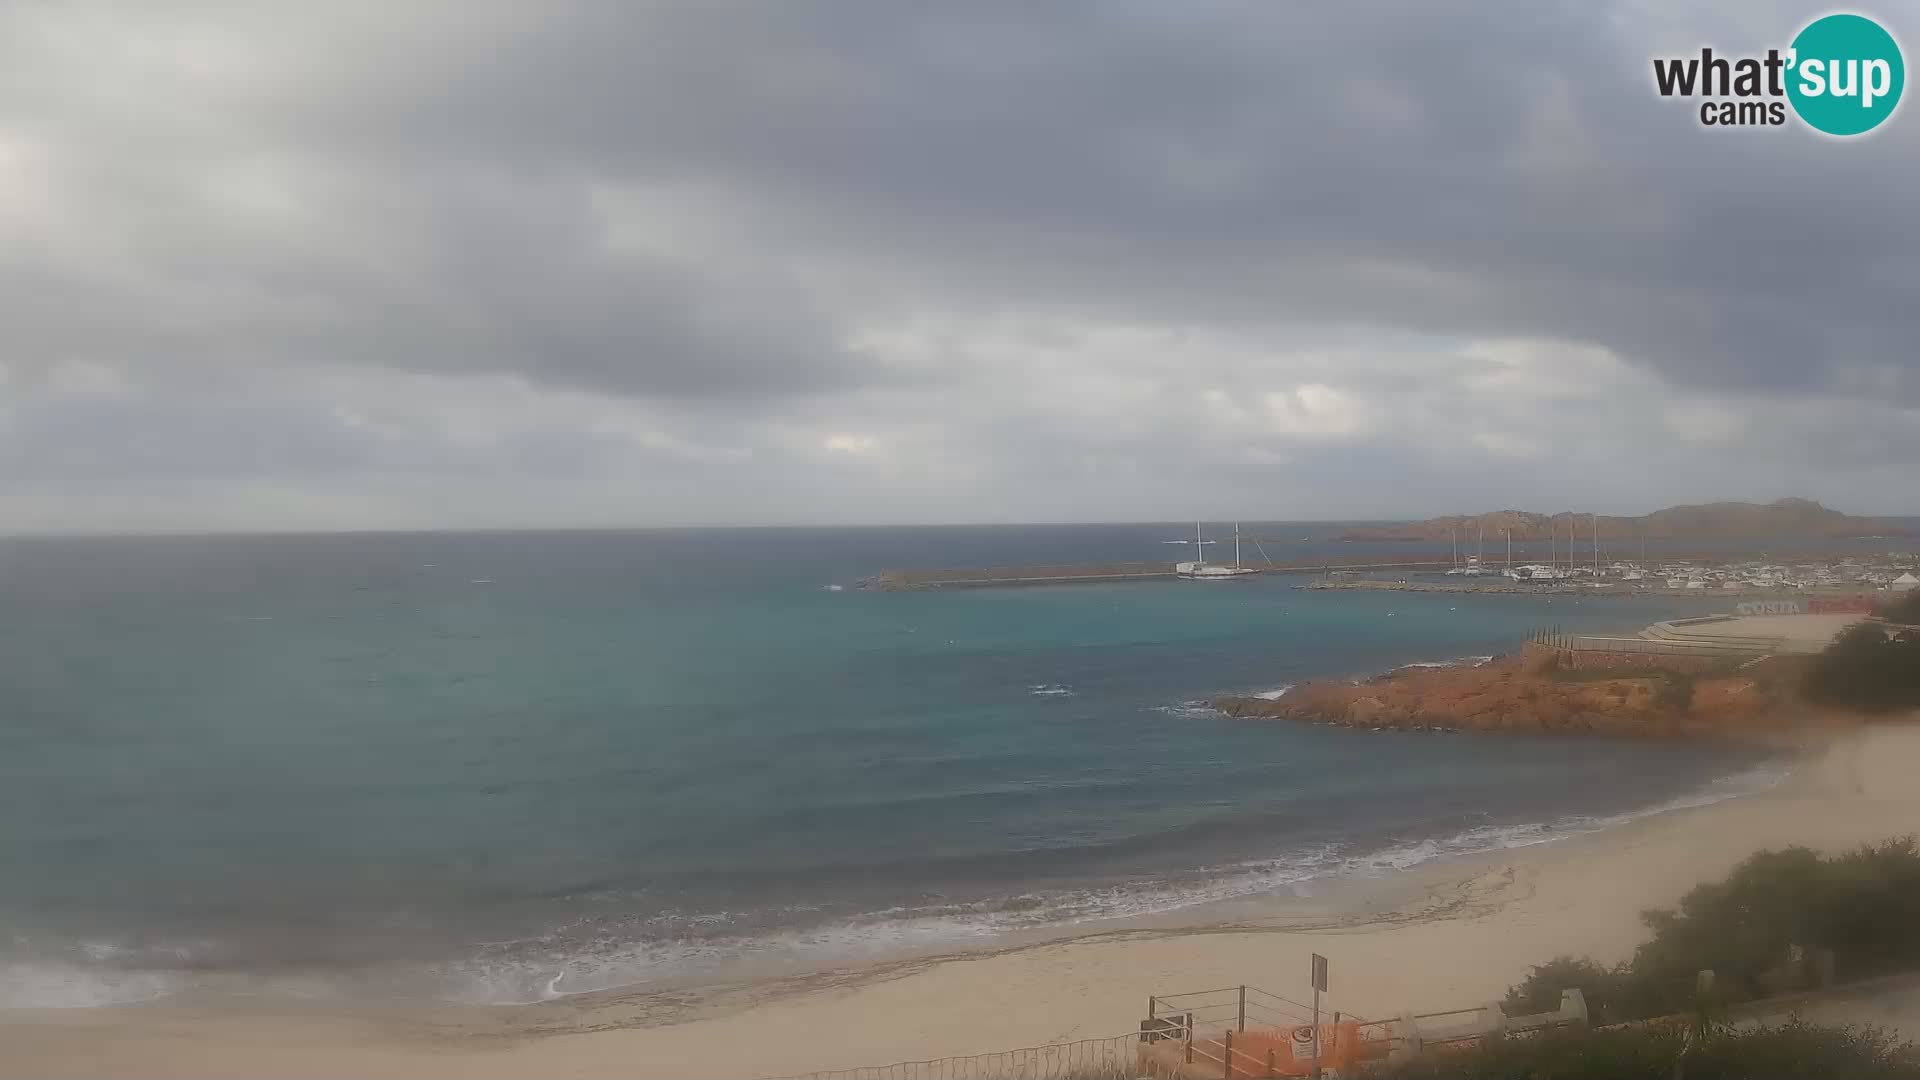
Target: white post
<point>1317,1049</point>
<point>1410,1042</point>
<point>1573,1007</point>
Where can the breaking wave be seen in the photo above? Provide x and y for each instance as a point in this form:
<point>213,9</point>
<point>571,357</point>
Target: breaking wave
<point>597,954</point>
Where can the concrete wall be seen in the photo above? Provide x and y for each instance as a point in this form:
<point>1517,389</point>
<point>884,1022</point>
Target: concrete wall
<point>1537,657</point>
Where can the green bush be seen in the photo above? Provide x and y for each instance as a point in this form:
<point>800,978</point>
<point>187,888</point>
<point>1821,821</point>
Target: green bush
<point>1794,1051</point>
<point>1864,906</point>
<point>1540,991</point>
<point>1868,667</point>
<point>1903,608</point>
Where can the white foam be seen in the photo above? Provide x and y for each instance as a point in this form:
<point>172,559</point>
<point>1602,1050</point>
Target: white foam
<point>1458,661</point>
<point>1050,690</point>
<point>1500,837</point>
<point>937,927</point>
<point>1274,694</point>
<point>62,986</point>
<point>582,958</point>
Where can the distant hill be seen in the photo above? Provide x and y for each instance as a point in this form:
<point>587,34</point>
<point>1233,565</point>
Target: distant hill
<point>1708,521</point>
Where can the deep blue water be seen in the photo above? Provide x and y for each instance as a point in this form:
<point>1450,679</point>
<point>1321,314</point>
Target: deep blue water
<point>496,766</point>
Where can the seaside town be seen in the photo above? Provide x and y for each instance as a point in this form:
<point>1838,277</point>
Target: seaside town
<point>1847,575</point>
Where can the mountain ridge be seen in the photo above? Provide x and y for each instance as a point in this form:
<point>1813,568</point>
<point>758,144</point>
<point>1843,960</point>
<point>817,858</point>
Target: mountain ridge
<point>1694,521</point>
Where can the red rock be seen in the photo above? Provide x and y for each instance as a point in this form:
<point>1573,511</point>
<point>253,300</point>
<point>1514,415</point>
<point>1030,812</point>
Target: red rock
<point>1501,696</point>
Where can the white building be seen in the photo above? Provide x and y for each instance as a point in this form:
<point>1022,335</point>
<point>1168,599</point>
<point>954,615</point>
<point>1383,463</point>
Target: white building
<point>1903,582</point>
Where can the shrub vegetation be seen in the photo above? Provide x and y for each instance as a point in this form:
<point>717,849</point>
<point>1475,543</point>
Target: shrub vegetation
<point>1793,1051</point>
<point>1863,906</point>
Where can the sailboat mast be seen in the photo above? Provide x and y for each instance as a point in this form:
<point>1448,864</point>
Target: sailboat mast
<point>1236,545</point>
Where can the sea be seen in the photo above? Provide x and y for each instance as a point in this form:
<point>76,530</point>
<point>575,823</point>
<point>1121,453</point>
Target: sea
<point>499,768</point>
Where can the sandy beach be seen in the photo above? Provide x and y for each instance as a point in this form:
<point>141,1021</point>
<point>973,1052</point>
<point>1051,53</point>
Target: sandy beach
<point>1458,933</point>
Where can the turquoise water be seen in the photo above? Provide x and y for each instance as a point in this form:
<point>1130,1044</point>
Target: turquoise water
<point>498,767</point>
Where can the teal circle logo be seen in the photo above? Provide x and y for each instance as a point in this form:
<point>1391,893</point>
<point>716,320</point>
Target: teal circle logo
<point>1845,74</point>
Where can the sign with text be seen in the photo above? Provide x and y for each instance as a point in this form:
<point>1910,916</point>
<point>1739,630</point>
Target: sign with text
<point>1768,607</point>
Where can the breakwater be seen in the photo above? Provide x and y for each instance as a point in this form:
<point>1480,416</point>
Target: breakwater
<point>989,576</point>
<point>1067,573</point>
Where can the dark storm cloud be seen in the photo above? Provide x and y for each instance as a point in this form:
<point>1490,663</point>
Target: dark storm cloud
<point>1504,169</point>
<point>1498,170</point>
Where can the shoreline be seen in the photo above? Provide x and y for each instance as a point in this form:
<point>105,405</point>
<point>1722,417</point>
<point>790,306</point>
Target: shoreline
<point>1310,881</point>
<point>1448,933</point>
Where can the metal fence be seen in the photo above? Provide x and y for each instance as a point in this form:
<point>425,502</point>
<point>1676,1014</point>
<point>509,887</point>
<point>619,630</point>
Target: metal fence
<point>1677,645</point>
<point>1115,1058</point>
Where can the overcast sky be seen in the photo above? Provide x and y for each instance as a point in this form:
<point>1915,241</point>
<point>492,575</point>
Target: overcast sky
<point>299,265</point>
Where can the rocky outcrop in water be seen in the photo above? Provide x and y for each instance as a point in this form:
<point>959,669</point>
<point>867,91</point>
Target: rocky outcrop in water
<point>1502,696</point>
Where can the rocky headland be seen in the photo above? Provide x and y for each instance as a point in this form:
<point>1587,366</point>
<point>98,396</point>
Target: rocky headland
<point>1535,693</point>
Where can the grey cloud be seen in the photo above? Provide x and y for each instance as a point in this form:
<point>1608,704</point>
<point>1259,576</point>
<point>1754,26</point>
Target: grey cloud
<point>1504,170</point>
<point>1495,171</point>
<point>424,188</point>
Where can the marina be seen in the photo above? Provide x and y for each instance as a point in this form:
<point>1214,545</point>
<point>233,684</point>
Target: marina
<point>1728,575</point>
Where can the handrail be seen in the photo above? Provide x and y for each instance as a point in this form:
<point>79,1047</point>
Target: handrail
<point>1450,1012</point>
<point>1277,997</point>
<point>1203,993</point>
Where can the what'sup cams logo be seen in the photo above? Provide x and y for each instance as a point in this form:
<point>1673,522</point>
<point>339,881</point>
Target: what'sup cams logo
<point>1842,76</point>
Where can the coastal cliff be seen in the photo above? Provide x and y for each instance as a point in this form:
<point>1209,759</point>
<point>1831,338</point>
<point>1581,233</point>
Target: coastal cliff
<point>1710,521</point>
<point>1509,694</point>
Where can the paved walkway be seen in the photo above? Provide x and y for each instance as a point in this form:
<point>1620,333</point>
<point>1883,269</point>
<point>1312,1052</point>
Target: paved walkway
<point>1892,1003</point>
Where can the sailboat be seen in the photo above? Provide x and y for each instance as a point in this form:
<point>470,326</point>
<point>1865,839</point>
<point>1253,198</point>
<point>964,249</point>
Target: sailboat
<point>1202,570</point>
<point>1511,572</point>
